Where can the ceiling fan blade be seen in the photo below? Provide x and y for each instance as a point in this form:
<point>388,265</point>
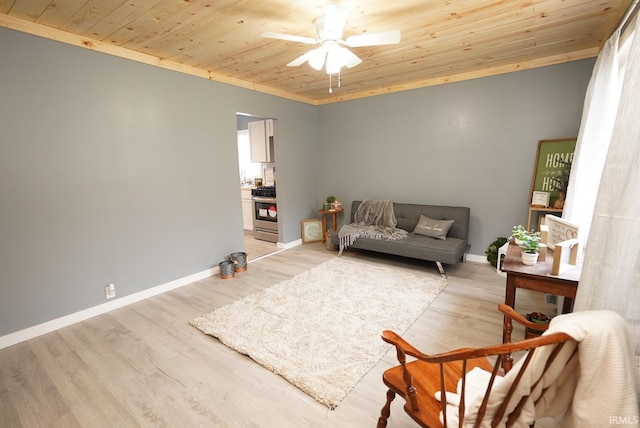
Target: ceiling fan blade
<point>300,60</point>
<point>350,59</point>
<point>289,37</point>
<point>374,39</point>
<point>315,57</point>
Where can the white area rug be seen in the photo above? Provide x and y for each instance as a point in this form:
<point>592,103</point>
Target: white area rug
<point>321,329</point>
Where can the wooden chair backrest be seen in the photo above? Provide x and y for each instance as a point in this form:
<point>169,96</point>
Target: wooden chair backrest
<point>502,352</point>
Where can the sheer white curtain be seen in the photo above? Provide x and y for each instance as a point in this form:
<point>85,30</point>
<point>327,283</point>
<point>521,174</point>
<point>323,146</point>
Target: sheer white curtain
<point>598,118</point>
<point>610,276</point>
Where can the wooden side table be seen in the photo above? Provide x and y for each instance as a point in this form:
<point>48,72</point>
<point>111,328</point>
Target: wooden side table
<point>324,220</point>
<point>538,278</point>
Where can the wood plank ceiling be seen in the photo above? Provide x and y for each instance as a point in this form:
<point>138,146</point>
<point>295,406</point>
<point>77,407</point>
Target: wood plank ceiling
<point>442,41</point>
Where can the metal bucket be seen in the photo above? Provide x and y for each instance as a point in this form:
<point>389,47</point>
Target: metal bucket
<point>226,269</point>
<point>239,261</point>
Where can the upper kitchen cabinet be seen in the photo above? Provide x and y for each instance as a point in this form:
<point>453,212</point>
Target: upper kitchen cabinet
<point>261,136</point>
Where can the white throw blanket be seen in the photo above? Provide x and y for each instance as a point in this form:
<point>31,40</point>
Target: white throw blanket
<point>597,388</point>
<point>373,219</point>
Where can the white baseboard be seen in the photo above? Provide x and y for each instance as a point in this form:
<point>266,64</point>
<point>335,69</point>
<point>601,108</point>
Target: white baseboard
<point>289,244</point>
<point>476,258</point>
<point>49,326</point>
<point>281,247</point>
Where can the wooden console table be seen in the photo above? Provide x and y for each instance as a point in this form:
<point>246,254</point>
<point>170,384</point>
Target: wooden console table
<point>539,278</point>
<point>335,212</point>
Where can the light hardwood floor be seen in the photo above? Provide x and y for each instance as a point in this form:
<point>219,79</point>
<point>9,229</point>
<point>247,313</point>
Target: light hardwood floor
<point>144,365</point>
<point>256,248</point>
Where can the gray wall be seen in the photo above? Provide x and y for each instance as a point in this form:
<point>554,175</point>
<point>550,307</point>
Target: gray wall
<point>470,143</point>
<point>242,121</point>
<point>114,171</point>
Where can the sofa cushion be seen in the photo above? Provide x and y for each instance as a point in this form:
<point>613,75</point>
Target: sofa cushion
<point>415,246</point>
<point>434,228</point>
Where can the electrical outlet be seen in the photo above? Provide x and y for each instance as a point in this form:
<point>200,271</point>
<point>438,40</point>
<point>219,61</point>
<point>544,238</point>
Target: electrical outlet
<point>110,291</point>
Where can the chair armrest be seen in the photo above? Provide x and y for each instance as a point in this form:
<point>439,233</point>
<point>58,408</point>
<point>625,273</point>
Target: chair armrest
<point>470,353</point>
<point>510,313</point>
<point>397,341</point>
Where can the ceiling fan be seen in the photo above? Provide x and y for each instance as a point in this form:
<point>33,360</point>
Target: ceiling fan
<point>333,52</point>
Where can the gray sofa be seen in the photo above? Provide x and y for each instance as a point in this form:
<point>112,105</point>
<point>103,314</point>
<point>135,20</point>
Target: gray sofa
<point>449,251</point>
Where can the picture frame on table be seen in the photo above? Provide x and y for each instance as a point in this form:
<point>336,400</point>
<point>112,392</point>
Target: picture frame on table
<point>311,230</point>
<point>560,230</point>
<point>540,199</point>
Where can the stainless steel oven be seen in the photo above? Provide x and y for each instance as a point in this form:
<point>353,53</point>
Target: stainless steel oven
<point>265,218</point>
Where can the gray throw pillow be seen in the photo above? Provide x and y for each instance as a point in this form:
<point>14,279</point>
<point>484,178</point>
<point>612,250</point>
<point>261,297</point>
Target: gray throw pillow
<point>434,228</point>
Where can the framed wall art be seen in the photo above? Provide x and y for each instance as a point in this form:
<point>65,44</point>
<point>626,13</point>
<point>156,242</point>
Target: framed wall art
<point>552,168</point>
<point>311,230</point>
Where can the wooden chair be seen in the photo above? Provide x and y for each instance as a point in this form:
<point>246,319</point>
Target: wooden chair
<point>419,381</point>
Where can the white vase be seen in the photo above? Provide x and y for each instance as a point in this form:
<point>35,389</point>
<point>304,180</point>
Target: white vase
<point>529,259</point>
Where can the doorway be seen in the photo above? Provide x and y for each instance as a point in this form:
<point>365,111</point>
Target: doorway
<point>249,174</point>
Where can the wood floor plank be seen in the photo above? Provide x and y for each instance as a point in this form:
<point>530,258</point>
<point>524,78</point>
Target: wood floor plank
<point>79,385</point>
<point>144,365</point>
<point>29,389</point>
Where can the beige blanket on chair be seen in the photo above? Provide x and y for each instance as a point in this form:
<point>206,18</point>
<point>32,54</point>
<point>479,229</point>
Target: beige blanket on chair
<point>596,386</point>
<point>373,219</point>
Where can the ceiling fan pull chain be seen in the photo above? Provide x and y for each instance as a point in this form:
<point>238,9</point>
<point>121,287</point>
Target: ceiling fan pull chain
<point>330,88</point>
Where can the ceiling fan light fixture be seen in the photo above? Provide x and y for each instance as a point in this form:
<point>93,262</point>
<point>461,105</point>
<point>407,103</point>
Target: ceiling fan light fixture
<point>333,68</point>
<point>316,58</point>
<point>336,59</point>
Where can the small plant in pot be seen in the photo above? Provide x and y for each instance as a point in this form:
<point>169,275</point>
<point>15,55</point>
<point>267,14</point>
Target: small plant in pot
<point>328,204</point>
<point>536,318</point>
<point>530,248</point>
<point>519,233</point>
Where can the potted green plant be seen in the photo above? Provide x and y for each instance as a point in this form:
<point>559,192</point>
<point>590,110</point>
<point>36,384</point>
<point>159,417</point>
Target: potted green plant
<point>530,248</point>
<point>560,183</point>
<point>492,250</point>
<point>536,318</point>
<point>327,203</point>
<point>519,233</point>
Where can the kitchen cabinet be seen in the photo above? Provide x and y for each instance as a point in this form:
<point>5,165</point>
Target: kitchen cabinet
<point>268,124</point>
<point>247,209</point>
<point>261,136</point>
